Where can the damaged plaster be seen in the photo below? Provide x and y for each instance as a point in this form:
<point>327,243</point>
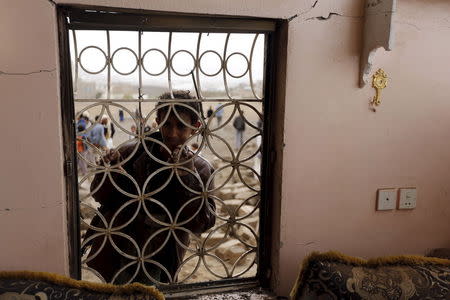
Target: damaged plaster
<point>305,12</point>
<point>378,33</point>
<point>331,14</point>
<point>323,10</point>
<point>377,26</point>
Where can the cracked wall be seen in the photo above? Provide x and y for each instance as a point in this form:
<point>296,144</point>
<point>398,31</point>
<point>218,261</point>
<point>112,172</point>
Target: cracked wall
<point>337,152</point>
<point>32,210</point>
<point>341,153</point>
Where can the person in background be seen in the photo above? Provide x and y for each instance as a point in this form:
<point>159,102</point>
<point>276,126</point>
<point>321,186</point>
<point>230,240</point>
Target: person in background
<point>219,114</point>
<point>154,124</point>
<point>82,150</point>
<point>89,153</point>
<point>239,125</point>
<point>96,135</point>
<point>83,120</point>
<point>133,130</point>
<point>121,116</point>
<point>138,114</point>
<point>257,162</point>
<point>109,131</point>
<point>209,112</point>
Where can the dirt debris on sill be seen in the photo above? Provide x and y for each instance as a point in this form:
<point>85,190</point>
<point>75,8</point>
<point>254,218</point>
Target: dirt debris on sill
<point>251,295</point>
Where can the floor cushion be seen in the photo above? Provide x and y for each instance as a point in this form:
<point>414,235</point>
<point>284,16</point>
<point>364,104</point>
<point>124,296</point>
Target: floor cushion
<point>333,275</point>
<point>47,286</point>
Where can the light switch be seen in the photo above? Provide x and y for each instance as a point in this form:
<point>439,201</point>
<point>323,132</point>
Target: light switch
<point>408,198</point>
<point>386,199</point>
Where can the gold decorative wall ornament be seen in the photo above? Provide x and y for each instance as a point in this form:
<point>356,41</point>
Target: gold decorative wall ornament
<point>379,82</point>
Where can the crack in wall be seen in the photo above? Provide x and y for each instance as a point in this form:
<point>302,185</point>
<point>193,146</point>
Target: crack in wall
<point>321,18</point>
<point>306,244</point>
<point>292,18</point>
<point>27,73</point>
<point>410,24</point>
<point>305,12</point>
<point>7,209</point>
<point>447,19</point>
<point>331,14</point>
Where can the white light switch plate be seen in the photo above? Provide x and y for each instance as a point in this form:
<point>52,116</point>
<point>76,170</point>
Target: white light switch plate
<point>408,198</point>
<point>386,199</point>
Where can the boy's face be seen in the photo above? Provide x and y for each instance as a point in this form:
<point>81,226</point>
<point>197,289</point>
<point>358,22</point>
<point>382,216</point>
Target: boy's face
<point>174,132</point>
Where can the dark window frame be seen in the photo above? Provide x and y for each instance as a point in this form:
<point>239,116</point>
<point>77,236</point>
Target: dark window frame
<point>94,17</point>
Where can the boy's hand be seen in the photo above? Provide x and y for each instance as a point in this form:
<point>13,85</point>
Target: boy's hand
<point>185,155</point>
<point>112,157</point>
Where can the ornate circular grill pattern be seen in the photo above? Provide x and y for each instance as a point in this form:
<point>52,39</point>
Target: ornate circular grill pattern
<point>230,193</point>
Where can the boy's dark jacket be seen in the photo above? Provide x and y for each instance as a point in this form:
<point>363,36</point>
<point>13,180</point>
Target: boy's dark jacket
<point>163,201</point>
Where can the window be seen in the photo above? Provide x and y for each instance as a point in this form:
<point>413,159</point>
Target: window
<point>170,183</point>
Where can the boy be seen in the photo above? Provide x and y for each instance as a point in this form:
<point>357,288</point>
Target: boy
<point>154,201</point>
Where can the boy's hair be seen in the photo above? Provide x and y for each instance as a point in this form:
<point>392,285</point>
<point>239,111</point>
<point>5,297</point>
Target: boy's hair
<point>180,94</point>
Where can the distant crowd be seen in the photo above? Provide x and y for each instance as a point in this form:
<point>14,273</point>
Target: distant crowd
<point>96,138</point>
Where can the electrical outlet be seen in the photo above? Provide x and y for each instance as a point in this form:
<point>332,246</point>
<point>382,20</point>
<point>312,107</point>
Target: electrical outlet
<point>386,199</point>
<point>408,198</point>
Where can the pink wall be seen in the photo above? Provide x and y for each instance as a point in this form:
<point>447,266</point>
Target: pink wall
<point>32,210</point>
<point>337,151</point>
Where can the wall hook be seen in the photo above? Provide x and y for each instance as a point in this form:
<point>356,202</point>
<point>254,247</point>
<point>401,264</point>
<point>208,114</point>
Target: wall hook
<point>379,82</point>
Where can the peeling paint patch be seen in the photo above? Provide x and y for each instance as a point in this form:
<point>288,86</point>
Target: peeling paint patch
<point>374,3</point>
<point>378,33</point>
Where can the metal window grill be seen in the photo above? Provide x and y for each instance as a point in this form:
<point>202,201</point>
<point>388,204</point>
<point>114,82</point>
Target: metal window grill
<point>130,230</point>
